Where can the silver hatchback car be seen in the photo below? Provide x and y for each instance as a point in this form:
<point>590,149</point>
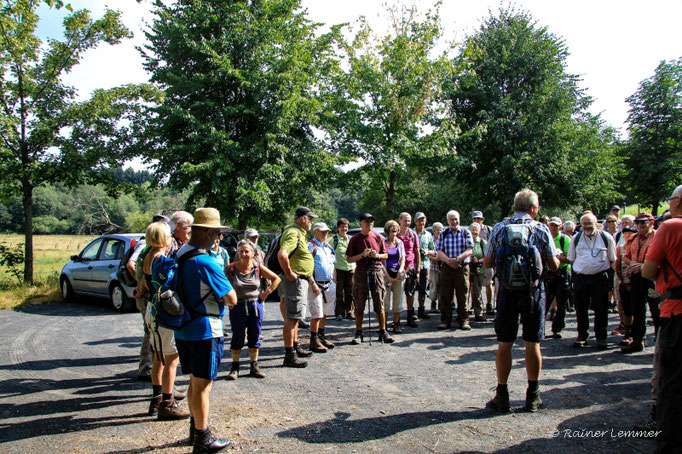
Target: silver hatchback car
<point>94,272</point>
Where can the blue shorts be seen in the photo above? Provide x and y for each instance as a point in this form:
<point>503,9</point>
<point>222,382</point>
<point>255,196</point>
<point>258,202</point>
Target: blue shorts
<point>200,358</point>
<point>532,312</point>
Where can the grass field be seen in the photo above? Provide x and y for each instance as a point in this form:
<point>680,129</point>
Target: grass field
<point>50,254</point>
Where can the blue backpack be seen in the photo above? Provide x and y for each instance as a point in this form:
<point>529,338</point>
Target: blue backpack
<point>167,308</point>
<point>519,265</point>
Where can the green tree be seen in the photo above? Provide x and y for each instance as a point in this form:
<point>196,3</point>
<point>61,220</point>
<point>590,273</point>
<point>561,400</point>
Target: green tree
<point>389,114</point>
<point>654,150</point>
<point>522,119</point>
<point>241,81</point>
<point>46,134</point>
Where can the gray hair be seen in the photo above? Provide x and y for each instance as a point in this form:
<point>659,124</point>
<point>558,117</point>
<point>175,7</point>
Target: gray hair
<point>628,217</point>
<point>452,213</point>
<point>180,216</point>
<point>589,216</point>
<point>525,199</point>
<point>249,243</point>
<point>678,191</point>
<point>569,224</point>
<point>475,224</point>
<point>250,233</point>
<point>437,225</point>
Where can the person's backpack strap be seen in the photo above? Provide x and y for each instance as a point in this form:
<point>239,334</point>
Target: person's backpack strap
<point>181,261</point>
<point>562,242</point>
<point>299,237</point>
<point>336,241</point>
<point>314,252</point>
<point>577,240</point>
<point>230,270</point>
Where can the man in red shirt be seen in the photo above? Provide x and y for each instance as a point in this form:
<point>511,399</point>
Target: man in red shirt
<point>663,264</point>
<point>368,249</point>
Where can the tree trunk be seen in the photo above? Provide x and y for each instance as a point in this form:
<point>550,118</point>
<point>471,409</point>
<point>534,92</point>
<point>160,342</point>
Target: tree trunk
<point>390,194</point>
<point>28,232</point>
<point>242,221</point>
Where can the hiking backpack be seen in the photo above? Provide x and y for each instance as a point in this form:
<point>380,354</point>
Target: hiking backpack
<point>271,259</point>
<point>519,264</point>
<point>124,275</point>
<point>167,308</point>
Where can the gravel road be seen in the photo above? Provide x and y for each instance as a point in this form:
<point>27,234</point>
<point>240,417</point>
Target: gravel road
<point>67,375</point>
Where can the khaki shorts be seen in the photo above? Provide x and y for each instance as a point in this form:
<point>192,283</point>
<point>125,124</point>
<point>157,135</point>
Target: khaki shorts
<point>316,304</point>
<point>163,341</point>
<point>295,297</point>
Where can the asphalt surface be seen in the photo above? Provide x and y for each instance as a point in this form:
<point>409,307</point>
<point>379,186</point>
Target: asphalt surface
<point>67,384</point>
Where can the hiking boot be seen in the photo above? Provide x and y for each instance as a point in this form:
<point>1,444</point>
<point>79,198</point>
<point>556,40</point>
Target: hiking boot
<point>489,309</point>
<point>396,328</point>
<point>357,339</point>
<point>556,336</point>
<point>533,402</point>
<point>637,345</point>
<point>302,324</point>
<point>385,338</point>
<point>422,314</point>
<point>580,342</point>
<point>178,395</point>
<point>234,371</point>
<point>255,370</point>
<point>169,410</point>
<point>291,360</point>
<point>154,405</point>
<point>625,341</point>
<point>411,319</point>
<point>339,318</point>
<point>324,341</point>
<point>602,345</point>
<point>444,326</point>
<point>209,443</point>
<point>349,316</point>
<point>316,346</point>
<point>302,353</point>
<point>499,403</point>
<point>464,325</point>
<point>479,318</point>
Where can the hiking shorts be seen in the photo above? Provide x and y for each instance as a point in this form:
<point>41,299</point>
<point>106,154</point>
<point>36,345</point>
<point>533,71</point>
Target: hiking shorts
<point>162,339</point>
<point>295,297</point>
<point>201,358</point>
<point>532,311</point>
<point>321,306</point>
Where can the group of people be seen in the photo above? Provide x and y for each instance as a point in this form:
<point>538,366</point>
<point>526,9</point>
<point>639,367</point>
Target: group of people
<point>525,268</point>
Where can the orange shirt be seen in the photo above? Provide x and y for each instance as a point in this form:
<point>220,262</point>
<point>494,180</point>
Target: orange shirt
<point>636,248</point>
<point>667,246</point>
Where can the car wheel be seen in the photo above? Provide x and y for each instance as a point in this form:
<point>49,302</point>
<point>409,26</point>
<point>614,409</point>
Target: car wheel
<point>119,300</point>
<point>67,290</point>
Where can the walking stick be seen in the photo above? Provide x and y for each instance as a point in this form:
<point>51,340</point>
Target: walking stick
<point>369,299</point>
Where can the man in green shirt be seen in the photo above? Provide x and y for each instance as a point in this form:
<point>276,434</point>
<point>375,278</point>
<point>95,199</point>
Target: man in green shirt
<point>343,272</point>
<point>297,265</point>
<point>558,281</point>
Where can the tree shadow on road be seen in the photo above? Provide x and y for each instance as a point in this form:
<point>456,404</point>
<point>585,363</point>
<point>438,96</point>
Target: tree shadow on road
<point>342,429</point>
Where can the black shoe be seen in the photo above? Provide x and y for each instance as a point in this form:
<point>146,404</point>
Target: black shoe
<point>190,440</point>
<point>556,336</point>
<point>421,313</point>
<point>385,338</point>
<point>580,342</point>
<point>302,324</point>
<point>209,443</point>
<point>499,403</point>
<point>479,318</point>
<point>444,326</point>
<point>396,328</point>
<point>533,402</point>
<point>349,316</point>
<point>357,339</point>
<point>302,353</point>
<point>291,360</point>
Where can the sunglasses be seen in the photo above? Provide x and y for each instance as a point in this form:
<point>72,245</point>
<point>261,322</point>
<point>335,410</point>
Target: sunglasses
<point>610,222</point>
<point>641,222</point>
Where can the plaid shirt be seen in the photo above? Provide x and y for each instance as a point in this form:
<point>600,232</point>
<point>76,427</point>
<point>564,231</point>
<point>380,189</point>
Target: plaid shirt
<point>541,239</point>
<point>455,243</point>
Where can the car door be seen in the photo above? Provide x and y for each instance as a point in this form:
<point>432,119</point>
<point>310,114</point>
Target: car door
<point>81,270</point>
<point>110,255</point>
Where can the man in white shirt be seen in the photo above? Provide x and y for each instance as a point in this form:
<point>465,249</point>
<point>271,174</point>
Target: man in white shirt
<point>592,252</point>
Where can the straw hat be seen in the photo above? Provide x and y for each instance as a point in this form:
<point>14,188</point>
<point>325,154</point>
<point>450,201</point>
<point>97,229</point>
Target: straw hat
<point>208,218</point>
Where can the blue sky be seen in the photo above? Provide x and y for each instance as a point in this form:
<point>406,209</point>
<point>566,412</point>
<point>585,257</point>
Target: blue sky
<point>614,45</point>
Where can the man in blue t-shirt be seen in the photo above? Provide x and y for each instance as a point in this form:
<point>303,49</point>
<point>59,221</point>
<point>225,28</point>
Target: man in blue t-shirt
<point>206,290</point>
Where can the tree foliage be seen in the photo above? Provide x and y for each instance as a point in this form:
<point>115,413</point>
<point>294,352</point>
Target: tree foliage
<point>388,110</point>
<point>237,125</point>
<point>522,119</point>
<point>654,151</point>
<point>46,134</point>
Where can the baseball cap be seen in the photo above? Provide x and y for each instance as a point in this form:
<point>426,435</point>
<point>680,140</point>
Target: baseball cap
<point>365,216</point>
<point>321,226</point>
<point>304,211</point>
<point>614,207</point>
<point>555,220</point>
<point>419,215</point>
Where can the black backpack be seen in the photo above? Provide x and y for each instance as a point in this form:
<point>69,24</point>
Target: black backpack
<point>124,275</point>
<point>271,259</point>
